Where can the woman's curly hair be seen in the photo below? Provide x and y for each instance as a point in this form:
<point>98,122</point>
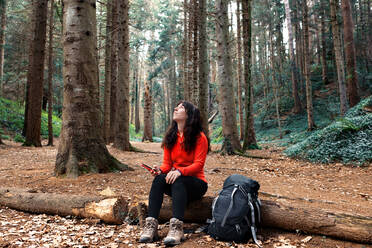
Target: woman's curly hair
<point>191,132</point>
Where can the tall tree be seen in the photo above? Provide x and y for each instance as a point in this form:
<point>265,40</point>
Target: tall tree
<point>147,123</point>
<point>185,52</point>
<point>239,68</point>
<point>137,123</point>
<point>323,42</point>
<point>122,110</point>
<point>339,58</point>
<point>81,148</point>
<point>35,74</point>
<point>226,90</point>
<point>351,75</point>
<point>2,41</point>
<point>309,94</point>
<point>50,74</point>
<point>297,103</point>
<point>107,94</point>
<point>203,66</point>
<point>114,68</point>
<point>249,133</point>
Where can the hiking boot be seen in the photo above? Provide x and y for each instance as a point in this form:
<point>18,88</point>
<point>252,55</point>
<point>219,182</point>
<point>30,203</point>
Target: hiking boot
<point>175,234</point>
<point>150,231</point>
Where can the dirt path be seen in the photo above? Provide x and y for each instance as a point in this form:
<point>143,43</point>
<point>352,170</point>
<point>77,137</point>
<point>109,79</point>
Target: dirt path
<point>333,187</point>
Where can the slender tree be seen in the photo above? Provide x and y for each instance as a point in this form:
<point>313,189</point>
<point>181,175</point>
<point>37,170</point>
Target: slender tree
<point>339,57</point>
<point>107,94</point>
<point>351,75</point>
<point>147,123</point>
<point>297,103</point>
<point>81,148</point>
<point>249,133</point>
<point>323,42</point>
<point>2,41</point>
<point>122,110</point>
<point>309,94</point>
<point>226,90</point>
<point>50,74</point>
<point>203,66</point>
<point>239,68</point>
<point>114,68</point>
<point>35,74</point>
<point>137,123</point>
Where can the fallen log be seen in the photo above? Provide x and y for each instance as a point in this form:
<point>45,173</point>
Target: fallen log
<point>108,209</point>
<point>280,214</point>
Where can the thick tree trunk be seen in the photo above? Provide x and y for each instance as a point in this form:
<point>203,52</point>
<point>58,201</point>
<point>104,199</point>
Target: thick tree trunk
<point>203,66</point>
<point>351,75</point>
<point>309,94</point>
<point>35,74</point>
<point>114,69</point>
<point>122,111</point>
<point>339,58</point>
<point>81,148</point>
<point>107,94</point>
<point>284,215</point>
<point>249,133</point>
<point>324,44</point>
<point>239,68</point>
<point>297,103</point>
<point>111,210</point>
<point>3,4</point>
<point>50,75</point>
<point>226,90</point>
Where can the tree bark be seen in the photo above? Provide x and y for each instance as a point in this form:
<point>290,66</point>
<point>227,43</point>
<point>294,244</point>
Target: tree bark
<point>81,148</point>
<point>110,210</point>
<point>203,66</point>
<point>35,74</point>
<point>147,123</point>
<point>185,53</point>
<point>226,90</point>
<point>107,94</point>
<point>239,68</point>
<point>351,75</point>
<point>324,44</point>
<point>195,57</point>
<point>339,58</point>
<point>284,215</point>
<point>297,103</point>
<point>137,123</point>
<point>249,133</point>
<point>122,111</point>
<point>50,75</point>
<point>309,94</point>
<point>114,69</point>
<point>3,4</point>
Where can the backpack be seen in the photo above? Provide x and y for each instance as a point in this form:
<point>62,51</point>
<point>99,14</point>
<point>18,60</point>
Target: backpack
<point>236,210</point>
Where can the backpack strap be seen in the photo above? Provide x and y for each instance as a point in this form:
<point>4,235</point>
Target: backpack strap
<point>230,206</point>
<point>253,224</point>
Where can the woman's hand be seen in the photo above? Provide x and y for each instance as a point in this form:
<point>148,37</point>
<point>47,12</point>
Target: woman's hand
<point>157,170</point>
<point>172,176</point>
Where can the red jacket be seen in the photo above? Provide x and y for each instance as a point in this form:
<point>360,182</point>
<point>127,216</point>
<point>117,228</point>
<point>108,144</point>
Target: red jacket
<point>189,164</point>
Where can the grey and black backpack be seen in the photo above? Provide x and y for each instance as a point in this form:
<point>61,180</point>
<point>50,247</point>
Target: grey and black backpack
<point>236,210</point>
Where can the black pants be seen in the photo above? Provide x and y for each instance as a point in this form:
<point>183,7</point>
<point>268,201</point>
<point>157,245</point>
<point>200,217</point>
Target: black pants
<point>184,190</point>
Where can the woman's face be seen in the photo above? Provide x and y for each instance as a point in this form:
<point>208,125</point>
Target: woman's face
<point>179,113</point>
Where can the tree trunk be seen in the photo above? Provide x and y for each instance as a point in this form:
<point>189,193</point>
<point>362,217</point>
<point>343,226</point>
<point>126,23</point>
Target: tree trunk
<point>3,4</point>
<point>35,74</point>
<point>137,123</point>
<point>351,75</point>
<point>107,94</point>
<point>203,66</point>
<point>309,94</point>
<point>324,46</point>
<point>50,75</point>
<point>239,69</point>
<point>249,133</point>
<point>297,103</point>
<point>339,58</point>
<point>226,90</point>
<point>172,83</point>
<point>114,69</point>
<point>195,57</point>
<point>287,216</point>
<point>81,147</point>
<point>185,53</point>
<point>122,110</point>
<point>147,123</point>
<point>110,210</point>
<point>190,43</point>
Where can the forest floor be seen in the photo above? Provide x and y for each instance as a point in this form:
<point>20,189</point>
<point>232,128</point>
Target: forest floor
<point>333,187</point>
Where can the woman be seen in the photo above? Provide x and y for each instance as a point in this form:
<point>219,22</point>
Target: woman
<point>181,175</point>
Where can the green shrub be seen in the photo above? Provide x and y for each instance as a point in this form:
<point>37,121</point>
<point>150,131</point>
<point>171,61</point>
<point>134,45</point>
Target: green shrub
<point>347,140</point>
<point>5,137</point>
<point>19,138</point>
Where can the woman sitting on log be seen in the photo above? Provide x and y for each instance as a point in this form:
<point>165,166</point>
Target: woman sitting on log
<point>181,175</point>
